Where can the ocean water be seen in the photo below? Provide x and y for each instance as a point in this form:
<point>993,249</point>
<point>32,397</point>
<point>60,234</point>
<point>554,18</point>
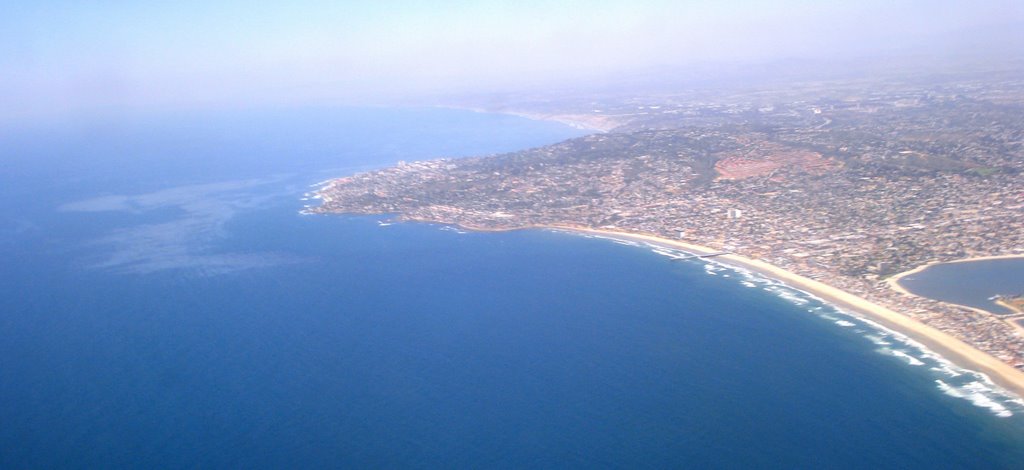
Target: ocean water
<point>165,304</point>
<point>973,283</point>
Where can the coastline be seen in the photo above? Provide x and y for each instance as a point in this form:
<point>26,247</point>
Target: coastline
<point>1007,305</point>
<point>944,344</point>
<point>584,122</point>
<point>576,121</point>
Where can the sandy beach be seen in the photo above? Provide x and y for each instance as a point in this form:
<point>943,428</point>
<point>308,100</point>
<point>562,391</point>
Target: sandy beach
<point>942,343</point>
<point>586,122</point>
<point>946,345</point>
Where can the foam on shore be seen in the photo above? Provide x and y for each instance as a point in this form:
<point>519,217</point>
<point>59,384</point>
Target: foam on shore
<point>951,379</point>
<point>858,315</point>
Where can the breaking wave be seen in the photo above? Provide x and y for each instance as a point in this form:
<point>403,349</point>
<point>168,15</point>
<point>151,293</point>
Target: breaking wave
<point>950,379</point>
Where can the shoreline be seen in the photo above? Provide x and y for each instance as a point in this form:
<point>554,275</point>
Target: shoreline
<point>949,347</point>
<point>1013,308</point>
<point>576,121</point>
<point>944,344</point>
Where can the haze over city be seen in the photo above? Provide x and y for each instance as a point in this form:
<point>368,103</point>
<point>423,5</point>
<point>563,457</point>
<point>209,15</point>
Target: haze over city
<point>64,59</point>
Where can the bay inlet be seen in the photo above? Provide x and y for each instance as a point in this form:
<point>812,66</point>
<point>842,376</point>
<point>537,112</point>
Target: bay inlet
<point>974,283</point>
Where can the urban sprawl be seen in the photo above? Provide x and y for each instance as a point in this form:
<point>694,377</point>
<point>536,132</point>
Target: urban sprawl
<point>845,182</point>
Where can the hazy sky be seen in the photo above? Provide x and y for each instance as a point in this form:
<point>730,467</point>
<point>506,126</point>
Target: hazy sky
<point>78,56</point>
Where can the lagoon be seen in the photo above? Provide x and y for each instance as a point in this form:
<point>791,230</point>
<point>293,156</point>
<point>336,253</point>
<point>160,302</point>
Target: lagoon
<point>972,283</point>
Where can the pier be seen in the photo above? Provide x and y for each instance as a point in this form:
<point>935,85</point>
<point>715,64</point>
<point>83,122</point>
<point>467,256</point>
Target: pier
<point>709,255</point>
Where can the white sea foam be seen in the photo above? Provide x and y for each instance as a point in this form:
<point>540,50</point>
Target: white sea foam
<point>791,297</point>
<point>948,389</point>
<point>980,390</point>
<point>668,253</point>
<point>877,339</point>
<point>903,355</point>
<point>964,384</point>
<point>979,394</point>
<point>946,370</point>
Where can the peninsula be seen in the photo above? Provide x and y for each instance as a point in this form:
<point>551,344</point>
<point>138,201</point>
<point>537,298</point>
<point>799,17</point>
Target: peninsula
<point>1015,303</point>
<point>830,186</point>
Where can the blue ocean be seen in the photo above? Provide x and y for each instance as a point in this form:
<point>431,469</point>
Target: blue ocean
<point>165,304</point>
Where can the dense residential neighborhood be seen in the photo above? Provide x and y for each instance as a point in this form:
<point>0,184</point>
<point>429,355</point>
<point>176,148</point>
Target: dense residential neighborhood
<point>847,183</point>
